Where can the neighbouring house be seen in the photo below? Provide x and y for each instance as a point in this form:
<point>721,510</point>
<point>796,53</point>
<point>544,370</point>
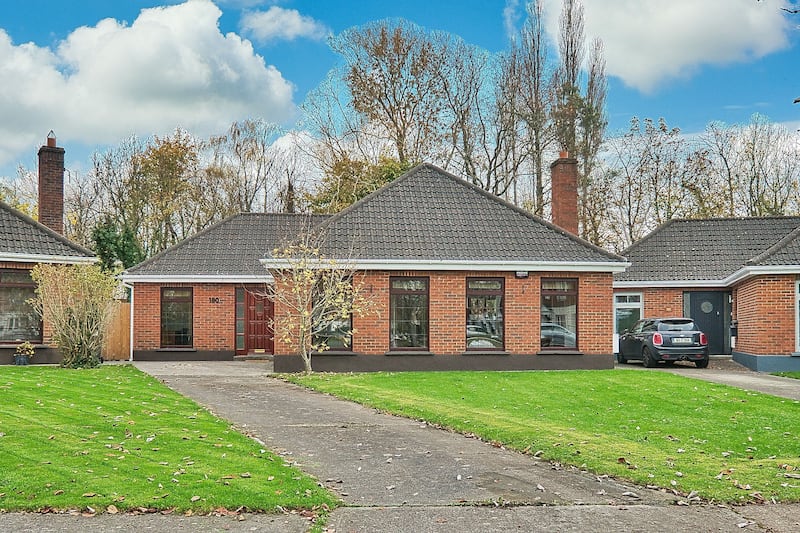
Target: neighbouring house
<point>738,278</point>
<point>460,279</point>
<point>24,242</point>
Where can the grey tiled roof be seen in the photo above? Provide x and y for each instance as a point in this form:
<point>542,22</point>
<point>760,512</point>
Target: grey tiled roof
<point>20,234</point>
<point>429,214</point>
<point>232,247</point>
<point>712,249</point>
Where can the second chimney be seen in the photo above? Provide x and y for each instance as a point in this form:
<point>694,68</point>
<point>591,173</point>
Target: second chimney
<point>51,185</point>
<point>564,186</point>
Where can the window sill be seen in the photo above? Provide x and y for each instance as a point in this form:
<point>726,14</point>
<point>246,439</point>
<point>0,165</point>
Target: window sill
<point>334,352</point>
<point>551,351</point>
<point>486,352</point>
<point>176,349</point>
<point>408,352</point>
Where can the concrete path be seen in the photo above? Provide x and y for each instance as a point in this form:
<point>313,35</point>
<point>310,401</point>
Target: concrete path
<point>396,474</point>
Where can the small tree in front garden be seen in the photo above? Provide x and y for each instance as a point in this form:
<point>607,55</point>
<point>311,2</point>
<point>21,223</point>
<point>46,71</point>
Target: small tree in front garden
<point>312,295</point>
<point>76,301</point>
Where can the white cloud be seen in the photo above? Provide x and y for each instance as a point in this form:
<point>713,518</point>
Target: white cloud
<point>511,16</point>
<point>171,67</point>
<point>650,42</point>
<point>278,23</point>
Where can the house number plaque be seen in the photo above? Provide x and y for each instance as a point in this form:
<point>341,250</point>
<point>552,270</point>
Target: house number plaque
<point>213,299</point>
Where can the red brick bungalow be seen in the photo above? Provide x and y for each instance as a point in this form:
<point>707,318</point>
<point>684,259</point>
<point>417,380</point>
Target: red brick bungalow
<point>738,278</point>
<point>461,279</point>
<point>24,242</point>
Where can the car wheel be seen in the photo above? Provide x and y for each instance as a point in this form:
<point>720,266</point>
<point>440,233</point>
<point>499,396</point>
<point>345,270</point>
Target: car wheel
<point>621,359</point>
<point>647,358</point>
<point>702,363</point>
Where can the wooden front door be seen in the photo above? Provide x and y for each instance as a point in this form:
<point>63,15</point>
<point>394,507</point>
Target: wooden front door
<point>255,321</point>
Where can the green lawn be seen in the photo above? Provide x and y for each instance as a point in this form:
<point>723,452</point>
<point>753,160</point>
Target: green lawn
<point>652,428</point>
<point>794,375</point>
<point>113,438</point>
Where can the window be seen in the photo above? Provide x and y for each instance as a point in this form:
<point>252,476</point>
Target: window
<point>485,313</point>
<point>627,310</point>
<point>408,313</point>
<point>334,331</point>
<point>176,317</point>
<point>241,346</point>
<point>559,313</point>
<point>18,320</point>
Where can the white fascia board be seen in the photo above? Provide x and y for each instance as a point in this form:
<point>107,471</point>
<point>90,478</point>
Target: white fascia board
<point>670,284</point>
<point>35,258</point>
<point>204,278</point>
<point>474,266</point>
<point>750,271</point>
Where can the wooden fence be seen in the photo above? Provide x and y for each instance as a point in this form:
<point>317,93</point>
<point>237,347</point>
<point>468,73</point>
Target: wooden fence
<point>117,345</point>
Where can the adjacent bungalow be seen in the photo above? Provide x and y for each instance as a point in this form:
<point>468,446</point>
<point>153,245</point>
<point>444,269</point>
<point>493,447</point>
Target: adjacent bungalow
<point>460,278</point>
<point>738,278</point>
<point>24,242</point>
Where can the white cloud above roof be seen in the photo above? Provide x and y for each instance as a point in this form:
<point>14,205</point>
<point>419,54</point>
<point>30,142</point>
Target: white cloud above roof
<point>652,42</point>
<point>171,67</point>
<point>279,23</point>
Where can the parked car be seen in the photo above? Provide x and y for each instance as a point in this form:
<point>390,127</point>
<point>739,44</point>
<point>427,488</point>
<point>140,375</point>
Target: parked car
<point>553,334</point>
<point>652,340</point>
<point>479,336</point>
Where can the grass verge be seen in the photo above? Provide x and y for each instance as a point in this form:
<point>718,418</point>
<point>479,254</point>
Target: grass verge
<point>793,375</point>
<point>115,439</point>
<point>652,428</point>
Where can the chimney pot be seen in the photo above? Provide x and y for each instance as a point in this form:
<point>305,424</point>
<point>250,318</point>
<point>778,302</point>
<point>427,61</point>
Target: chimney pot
<point>51,139</point>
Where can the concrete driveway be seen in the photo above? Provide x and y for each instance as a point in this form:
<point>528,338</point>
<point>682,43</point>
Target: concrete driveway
<point>396,474</point>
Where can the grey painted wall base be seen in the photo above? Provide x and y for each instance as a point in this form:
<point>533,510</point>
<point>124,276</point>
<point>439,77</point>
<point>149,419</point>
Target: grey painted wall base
<point>400,363</point>
<point>45,355</point>
<point>183,355</point>
<point>768,363</point>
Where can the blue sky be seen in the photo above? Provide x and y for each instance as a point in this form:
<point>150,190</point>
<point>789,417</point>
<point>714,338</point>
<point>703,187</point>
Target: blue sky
<point>97,71</point>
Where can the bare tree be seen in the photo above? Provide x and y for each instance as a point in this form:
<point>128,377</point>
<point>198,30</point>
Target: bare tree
<point>532,83</point>
<point>76,300</point>
<point>314,296</point>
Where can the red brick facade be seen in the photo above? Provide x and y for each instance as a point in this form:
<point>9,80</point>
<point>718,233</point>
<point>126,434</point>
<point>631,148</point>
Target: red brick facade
<point>764,308</point>
<point>214,314</point>
<point>214,311</point>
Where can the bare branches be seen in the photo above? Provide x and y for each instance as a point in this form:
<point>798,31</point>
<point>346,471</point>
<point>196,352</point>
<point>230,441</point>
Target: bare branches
<point>76,301</point>
<point>315,297</point>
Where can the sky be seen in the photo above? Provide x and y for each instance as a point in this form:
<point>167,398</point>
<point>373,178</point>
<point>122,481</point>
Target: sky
<point>96,71</point>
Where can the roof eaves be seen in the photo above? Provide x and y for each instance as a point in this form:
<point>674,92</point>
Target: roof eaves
<point>41,227</point>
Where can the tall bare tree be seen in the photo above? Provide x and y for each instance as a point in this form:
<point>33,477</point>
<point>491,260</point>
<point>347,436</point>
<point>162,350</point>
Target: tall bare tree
<point>533,83</point>
<point>392,75</point>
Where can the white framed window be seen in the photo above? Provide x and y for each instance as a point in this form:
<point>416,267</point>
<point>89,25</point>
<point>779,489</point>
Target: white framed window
<point>628,308</point>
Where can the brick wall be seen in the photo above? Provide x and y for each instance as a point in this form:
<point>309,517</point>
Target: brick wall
<point>765,311</point>
<point>660,302</point>
<point>213,310</point>
<point>447,312</point>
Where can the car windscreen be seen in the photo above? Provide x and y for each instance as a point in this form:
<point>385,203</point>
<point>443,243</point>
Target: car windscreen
<point>682,325</point>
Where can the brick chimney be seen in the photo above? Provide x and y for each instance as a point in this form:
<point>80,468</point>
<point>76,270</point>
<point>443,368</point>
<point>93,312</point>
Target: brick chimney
<point>51,185</point>
<point>564,187</point>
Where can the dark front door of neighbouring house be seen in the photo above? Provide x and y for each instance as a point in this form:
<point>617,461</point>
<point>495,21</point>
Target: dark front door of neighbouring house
<point>711,311</point>
<point>258,322</point>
